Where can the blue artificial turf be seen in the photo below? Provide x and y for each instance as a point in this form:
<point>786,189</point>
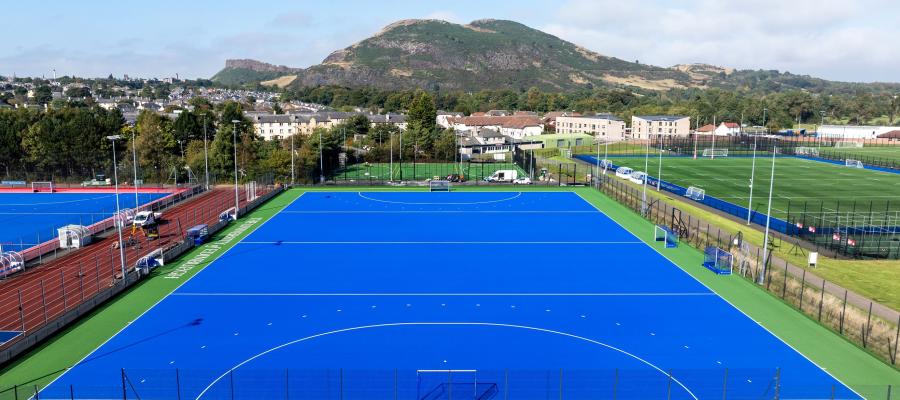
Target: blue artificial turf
<point>497,295</point>
<point>30,218</point>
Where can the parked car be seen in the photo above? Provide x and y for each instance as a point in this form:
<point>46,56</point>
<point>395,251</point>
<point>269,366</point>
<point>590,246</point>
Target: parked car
<point>522,181</point>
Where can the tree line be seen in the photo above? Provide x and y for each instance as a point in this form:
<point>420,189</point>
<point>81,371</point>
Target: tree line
<point>70,143</point>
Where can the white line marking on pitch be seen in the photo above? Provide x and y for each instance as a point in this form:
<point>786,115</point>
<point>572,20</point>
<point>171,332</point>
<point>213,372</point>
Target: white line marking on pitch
<point>437,242</point>
<point>648,294</point>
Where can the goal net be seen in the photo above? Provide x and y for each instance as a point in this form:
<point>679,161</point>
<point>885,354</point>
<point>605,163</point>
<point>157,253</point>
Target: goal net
<point>48,187</point>
<point>846,144</point>
<point>639,177</point>
<point>439,186</point>
<point>853,163</point>
<point>715,152</point>
<point>695,193</point>
<point>453,383</point>
<point>806,151</point>
<point>606,164</point>
<point>666,235</point>
<point>718,260</point>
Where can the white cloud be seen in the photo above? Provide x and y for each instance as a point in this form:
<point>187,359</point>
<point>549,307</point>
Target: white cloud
<point>833,39</point>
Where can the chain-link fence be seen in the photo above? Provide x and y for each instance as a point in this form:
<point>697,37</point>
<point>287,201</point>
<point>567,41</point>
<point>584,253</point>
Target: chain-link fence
<point>625,383</point>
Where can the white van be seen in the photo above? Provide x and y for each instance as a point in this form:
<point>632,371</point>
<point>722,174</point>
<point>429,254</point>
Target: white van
<point>503,175</point>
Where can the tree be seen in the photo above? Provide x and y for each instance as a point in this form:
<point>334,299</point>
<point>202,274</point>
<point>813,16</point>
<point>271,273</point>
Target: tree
<point>187,127</point>
<point>156,145</point>
<point>222,152</point>
<point>43,95</point>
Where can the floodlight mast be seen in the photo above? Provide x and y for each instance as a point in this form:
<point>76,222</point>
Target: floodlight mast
<point>116,219</point>
<point>762,276</point>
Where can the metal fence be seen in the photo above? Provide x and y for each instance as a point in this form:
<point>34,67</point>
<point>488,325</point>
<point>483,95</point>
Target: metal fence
<point>339,384</point>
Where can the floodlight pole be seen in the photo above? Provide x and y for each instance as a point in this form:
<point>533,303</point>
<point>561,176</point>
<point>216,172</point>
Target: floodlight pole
<point>134,166</point>
<point>659,170</point>
<point>712,152</point>
<point>205,152</point>
<point>237,203</point>
<point>644,186</point>
<point>321,160</point>
<point>605,154</point>
<point>765,129</point>
<point>391,172</point>
<point>761,279</point>
<point>696,135</point>
<point>292,159</point>
<point>117,219</point>
<point>752,172</point>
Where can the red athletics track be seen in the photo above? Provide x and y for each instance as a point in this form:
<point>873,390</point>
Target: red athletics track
<point>123,190</point>
<point>49,290</point>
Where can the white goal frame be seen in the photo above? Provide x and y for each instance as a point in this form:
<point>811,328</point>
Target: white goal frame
<point>710,152</point>
<point>848,144</point>
<point>695,193</point>
<point>439,186</point>
<point>806,151</point>
<point>853,163</point>
<point>43,186</point>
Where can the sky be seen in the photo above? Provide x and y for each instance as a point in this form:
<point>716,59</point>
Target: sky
<point>832,39</point>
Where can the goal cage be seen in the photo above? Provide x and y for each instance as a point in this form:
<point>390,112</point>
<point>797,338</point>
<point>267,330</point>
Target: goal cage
<point>715,152</point>
<point>806,151</point>
<point>439,186</point>
<point>853,163</point>
<point>847,144</point>
<point>567,153</point>
<point>718,260</point>
<point>453,383</point>
<point>664,234</point>
<point>606,164</point>
<point>150,261</point>
<point>48,187</point>
<point>695,193</point>
<point>639,177</point>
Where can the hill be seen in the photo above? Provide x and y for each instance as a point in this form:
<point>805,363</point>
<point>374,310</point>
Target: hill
<point>498,54</point>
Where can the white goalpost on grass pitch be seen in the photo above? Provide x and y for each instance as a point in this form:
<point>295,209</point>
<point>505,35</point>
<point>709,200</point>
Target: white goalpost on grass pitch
<point>853,163</point>
<point>712,153</point>
<point>48,186</point>
<point>695,193</point>
<point>806,151</point>
<point>847,144</point>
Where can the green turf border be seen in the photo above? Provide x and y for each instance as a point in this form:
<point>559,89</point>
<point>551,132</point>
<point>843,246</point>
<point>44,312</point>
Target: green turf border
<point>862,372</point>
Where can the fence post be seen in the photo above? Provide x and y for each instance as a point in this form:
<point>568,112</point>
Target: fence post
<point>777,383</point>
<point>43,301</point>
<point>62,281</point>
<point>669,386</point>
<point>868,327</point>
<point>843,311</point>
<point>802,287</point>
<point>783,284</point>
<point>21,311</point>
<point>725,385</point>
<point>616,384</point>
<point>821,300</point>
<point>177,384</point>
<point>896,344</point>
<point>231,382</point>
<point>124,390</point>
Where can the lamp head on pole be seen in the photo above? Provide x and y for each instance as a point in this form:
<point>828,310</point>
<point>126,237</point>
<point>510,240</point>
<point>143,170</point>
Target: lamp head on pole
<point>114,137</point>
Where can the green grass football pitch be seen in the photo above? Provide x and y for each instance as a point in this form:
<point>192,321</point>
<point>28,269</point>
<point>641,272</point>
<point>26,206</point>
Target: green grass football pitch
<point>886,153</point>
<point>815,186</point>
<point>421,171</point>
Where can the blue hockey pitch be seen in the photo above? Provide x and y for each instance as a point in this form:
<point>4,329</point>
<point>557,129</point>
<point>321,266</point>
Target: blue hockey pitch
<point>433,295</point>
<point>31,218</point>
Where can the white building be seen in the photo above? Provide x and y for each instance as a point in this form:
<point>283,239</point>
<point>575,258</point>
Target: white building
<point>646,126</point>
<point>853,131</point>
<point>516,126</point>
<point>602,126</point>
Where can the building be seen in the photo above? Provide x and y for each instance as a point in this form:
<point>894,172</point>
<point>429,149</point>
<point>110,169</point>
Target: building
<point>560,140</point>
<point>444,116</point>
<point>398,120</point>
<point>724,129</point>
<point>277,126</point>
<point>549,118</point>
<point>852,131</point>
<point>517,127</point>
<point>605,127</point>
<point>645,126</point>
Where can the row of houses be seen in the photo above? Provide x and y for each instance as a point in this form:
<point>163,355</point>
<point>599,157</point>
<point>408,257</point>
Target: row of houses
<point>280,126</point>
